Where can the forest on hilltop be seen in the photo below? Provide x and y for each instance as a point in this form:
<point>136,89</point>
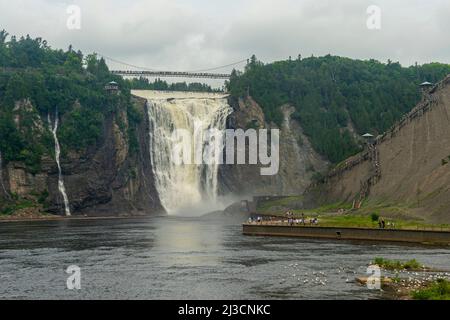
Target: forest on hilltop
<point>333,95</point>
<point>54,79</point>
<point>143,83</point>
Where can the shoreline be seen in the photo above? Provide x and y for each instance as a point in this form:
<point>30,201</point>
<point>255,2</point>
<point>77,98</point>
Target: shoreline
<point>65,218</point>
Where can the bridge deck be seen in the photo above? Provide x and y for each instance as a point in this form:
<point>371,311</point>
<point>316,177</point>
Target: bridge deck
<point>171,74</point>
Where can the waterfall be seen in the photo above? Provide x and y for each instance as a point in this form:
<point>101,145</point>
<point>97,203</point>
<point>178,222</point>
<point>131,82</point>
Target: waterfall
<point>61,187</point>
<point>290,136</point>
<point>1,176</point>
<point>184,187</point>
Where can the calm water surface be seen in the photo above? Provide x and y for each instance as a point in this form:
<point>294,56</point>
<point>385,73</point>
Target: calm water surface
<point>185,258</point>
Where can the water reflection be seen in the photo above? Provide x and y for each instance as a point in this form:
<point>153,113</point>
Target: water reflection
<point>185,258</point>
<point>185,242</point>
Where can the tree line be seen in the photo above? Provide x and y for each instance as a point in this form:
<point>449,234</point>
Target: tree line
<point>52,79</point>
<point>335,97</point>
<point>142,83</point>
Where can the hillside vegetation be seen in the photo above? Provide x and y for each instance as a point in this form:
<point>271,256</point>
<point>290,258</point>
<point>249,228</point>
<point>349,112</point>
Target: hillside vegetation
<point>53,80</point>
<point>335,95</point>
<point>143,83</point>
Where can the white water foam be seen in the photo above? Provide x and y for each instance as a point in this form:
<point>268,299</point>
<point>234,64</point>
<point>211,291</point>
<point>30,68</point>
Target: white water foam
<point>184,188</point>
<point>61,187</point>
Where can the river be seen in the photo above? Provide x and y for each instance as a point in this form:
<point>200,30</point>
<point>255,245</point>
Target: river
<point>185,258</point>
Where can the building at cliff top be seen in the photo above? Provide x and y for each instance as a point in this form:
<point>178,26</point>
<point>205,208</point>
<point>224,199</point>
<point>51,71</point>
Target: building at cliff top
<point>112,87</point>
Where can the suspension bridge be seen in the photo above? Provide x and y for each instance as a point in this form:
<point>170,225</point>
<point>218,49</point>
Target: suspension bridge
<point>137,71</point>
<point>167,74</point>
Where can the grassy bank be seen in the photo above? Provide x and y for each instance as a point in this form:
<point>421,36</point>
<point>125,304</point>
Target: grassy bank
<point>341,214</point>
<point>365,221</point>
<point>413,289</point>
<point>411,280</point>
<point>354,220</point>
<point>436,290</point>
<point>411,265</point>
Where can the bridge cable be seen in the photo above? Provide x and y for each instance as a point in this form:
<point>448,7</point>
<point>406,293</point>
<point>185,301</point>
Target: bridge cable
<point>127,64</point>
<point>149,69</point>
<point>220,67</point>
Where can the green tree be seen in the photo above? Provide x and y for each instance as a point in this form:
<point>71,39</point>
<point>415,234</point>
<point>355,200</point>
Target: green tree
<point>330,93</point>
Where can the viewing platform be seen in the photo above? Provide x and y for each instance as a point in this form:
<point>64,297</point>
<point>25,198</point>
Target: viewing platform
<point>434,237</point>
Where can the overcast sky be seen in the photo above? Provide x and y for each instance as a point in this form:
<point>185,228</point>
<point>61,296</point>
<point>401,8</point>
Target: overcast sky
<point>201,34</point>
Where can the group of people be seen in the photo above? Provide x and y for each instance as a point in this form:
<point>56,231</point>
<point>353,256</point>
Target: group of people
<point>302,220</point>
<point>257,219</point>
<point>291,219</point>
<point>382,224</point>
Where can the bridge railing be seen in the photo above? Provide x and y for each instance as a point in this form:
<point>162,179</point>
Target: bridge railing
<point>144,73</point>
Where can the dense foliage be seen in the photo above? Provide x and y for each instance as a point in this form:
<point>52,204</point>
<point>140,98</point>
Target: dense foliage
<point>142,83</point>
<point>52,80</point>
<point>333,94</point>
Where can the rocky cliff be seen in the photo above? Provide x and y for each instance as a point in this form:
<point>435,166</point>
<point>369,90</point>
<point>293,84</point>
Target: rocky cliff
<point>298,160</point>
<point>108,178</point>
<point>408,167</point>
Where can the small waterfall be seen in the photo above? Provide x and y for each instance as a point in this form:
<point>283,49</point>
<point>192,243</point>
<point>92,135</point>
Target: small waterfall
<point>184,187</point>
<point>287,126</point>
<point>1,176</point>
<point>61,187</point>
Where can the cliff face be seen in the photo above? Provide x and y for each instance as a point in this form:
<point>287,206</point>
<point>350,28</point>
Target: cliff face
<point>106,179</point>
<point>414,163</point>
<point>298,160</point>
<point>110,178</point>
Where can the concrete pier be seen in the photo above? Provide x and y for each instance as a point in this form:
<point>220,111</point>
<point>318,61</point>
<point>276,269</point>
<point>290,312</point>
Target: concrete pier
<point>337,233</point>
